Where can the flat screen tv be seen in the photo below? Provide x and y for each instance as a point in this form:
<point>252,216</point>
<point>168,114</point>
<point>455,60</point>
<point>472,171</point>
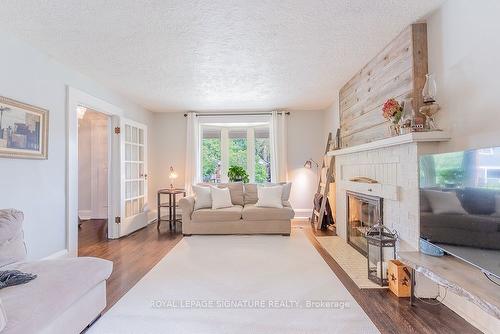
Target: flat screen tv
<point>460,205</point>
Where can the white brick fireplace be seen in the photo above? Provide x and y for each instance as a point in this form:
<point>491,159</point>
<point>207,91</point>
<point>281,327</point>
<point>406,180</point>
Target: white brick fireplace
<point>393,163</point>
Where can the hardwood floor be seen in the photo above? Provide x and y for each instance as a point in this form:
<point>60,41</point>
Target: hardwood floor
<point>392,314</point>
<point>134,255</point>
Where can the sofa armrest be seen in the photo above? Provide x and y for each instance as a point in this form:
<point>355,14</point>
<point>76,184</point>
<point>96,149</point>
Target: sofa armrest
<point>187,206</point>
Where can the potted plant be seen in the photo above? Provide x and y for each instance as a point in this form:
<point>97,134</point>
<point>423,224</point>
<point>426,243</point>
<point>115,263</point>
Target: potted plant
<point>392,111</point>
<point>237,174</point>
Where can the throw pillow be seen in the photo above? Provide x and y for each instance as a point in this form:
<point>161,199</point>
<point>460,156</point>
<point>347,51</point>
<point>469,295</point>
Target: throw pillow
<point>221,198</point>
<point>12,247</point>
<point>444,202</point>
<point>202,197</point>
<point>270,197</point>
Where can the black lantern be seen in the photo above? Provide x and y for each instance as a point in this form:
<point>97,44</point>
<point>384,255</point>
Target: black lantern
<point>381,248</point>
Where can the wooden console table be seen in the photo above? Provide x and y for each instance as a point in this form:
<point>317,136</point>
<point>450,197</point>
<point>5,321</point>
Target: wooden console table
<point>458,276</point>
<point>171,205</point>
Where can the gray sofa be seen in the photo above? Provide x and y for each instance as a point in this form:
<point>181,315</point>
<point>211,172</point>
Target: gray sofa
<point>67,295</point>
<point>242,218</point>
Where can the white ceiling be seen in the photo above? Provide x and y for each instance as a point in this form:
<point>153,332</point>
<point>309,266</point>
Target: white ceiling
<point>215,54</point>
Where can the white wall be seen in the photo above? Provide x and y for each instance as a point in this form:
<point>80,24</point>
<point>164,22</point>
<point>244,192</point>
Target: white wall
<point>37,187</point>
<point>464,45</point>
<point>93,132</point>
<point>168,148</point>
<point>332,119</point>
<point>305,140</point>
<point>463,48</point>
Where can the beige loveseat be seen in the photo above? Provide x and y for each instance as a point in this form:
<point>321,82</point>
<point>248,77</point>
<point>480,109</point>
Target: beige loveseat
<point>64,298</point>
<point>242,218</point>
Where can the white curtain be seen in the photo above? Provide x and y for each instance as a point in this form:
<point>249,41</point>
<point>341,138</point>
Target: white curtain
<point>192,159</point>
<point>278,137</point>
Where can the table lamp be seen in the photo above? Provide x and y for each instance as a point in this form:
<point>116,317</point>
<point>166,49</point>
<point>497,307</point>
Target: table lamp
<point>172,176</point>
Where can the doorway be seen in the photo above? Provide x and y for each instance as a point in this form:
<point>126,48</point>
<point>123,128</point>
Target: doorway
<point>93,176</point>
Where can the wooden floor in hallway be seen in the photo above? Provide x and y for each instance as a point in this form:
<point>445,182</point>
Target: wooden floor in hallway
<point>133,256</point>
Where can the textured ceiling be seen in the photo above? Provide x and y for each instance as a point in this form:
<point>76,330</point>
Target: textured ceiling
<point>214,55</point>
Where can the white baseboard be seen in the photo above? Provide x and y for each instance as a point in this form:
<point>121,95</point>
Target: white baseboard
<point>85,214</point>
<point>302,214</point>
<point>57,255</point>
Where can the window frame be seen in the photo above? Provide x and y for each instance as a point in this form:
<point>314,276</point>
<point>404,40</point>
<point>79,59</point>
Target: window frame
<point>225,144</point>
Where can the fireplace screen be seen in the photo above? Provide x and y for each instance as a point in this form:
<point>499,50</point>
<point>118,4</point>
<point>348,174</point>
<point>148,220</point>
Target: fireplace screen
<point>362,213</point>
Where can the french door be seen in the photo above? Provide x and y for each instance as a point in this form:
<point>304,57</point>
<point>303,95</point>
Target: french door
<point>133,177</point>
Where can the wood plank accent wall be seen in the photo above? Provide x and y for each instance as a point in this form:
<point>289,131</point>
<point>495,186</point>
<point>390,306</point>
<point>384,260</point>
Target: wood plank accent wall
<point>398,71</point>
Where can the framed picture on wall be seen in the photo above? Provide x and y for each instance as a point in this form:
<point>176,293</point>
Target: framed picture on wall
<point>23,130</point>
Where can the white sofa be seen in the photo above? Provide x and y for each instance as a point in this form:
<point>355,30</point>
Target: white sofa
<point>65,298</point>
<point>244,217</point>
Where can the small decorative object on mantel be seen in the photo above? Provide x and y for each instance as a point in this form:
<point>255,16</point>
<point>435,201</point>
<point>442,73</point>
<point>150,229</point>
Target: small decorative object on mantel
<point>430,107</point>
<point>381,248</point>
<point>23,130</point>
<point>392,111</point>
<point>407,117</point>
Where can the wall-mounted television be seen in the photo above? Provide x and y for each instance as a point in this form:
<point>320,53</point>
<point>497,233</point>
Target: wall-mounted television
<point>460,205</point>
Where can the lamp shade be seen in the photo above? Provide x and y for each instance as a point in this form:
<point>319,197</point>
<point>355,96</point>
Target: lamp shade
<point>309,163</point>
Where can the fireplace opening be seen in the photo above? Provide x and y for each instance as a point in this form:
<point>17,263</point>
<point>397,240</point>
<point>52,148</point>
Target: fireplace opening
<point>362,213</point>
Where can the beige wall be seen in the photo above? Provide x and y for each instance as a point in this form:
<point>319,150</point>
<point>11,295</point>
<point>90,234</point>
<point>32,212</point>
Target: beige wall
<point>305,140</point>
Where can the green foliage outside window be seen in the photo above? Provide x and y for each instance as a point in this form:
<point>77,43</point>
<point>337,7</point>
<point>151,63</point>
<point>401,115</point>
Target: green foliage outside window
<point>210,158</point>
<point>262,160</point>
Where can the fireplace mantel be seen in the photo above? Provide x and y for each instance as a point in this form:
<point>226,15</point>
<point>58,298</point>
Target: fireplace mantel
<point>414,137</point>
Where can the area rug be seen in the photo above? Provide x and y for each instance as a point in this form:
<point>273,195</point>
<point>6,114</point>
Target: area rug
<point>238,284</point>
<point>350,260</point>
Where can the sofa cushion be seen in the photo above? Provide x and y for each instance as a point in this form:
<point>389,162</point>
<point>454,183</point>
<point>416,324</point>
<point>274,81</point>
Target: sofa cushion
<point>250,193</point>
<point>208,215</point>
<point>252,212</point>
<point>31,307</point>
<point>235,189</point>
<point>251,196</point>
<point>12,248</point>
<point>478,201</point>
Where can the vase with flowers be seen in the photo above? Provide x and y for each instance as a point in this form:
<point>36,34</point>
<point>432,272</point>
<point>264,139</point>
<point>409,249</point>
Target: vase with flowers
<point>392,111</point>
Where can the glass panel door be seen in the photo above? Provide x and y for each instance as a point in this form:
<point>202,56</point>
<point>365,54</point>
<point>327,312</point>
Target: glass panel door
<point>133,140</point>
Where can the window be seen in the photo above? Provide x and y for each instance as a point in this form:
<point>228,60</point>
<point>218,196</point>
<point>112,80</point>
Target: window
<point>262,155</point>
<point>226,145</point>
<point>211,155</point>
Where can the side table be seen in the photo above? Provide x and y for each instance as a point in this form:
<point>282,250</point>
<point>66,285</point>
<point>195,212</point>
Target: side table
<point>171,205</point>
